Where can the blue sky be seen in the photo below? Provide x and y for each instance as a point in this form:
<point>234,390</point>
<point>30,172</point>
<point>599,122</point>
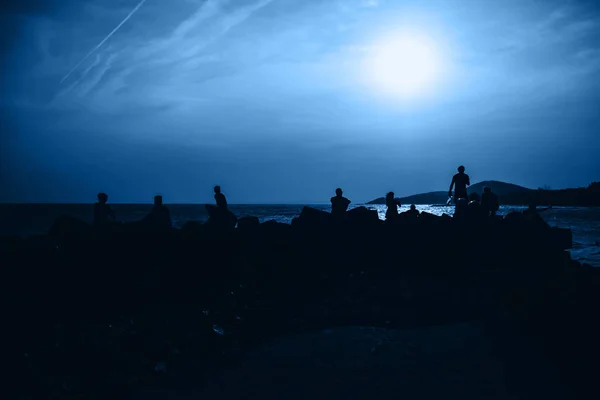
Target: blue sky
<point>269,98</point>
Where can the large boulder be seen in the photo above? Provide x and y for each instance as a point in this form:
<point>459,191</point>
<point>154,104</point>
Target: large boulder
<point>561,238</point>
<point>362,216</point>
<point>192,227</point>
<point>220,218</point>
<point>272,227</point>
<point>69,226</point>
<point>248,224</point>
<point>313,218</point>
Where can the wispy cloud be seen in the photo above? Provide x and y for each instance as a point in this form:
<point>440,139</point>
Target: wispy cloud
<point>166,65</point>
<point>141,3</point>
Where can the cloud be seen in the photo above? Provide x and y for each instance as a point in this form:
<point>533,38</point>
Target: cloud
<point>137,7</point>
<point>162,67</point>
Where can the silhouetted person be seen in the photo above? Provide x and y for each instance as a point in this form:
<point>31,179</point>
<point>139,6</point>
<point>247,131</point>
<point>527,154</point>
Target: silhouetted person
<point>339,204</point>
<point>411,213</point>
<point>221,208</point>
<point>474,210</point>
<point>392,206</point>
<point>220,198</point>
<point>159,216</point>
<point>460,182</point>
<point>489,202</point>
<point>219,215</point>
<point>532,214</point>
<point>103,214</point>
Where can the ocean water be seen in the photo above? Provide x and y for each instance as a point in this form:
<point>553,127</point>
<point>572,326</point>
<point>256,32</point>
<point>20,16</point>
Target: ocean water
<point>35,219</point>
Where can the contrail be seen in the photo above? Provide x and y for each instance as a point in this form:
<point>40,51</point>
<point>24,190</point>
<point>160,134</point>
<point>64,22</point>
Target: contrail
<point>141,3</point>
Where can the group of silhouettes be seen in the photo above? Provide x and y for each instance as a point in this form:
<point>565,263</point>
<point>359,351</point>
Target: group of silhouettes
<point>159,216</point>
<point>472,205</point>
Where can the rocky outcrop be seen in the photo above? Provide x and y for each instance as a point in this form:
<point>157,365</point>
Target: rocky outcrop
<point>187,301</point>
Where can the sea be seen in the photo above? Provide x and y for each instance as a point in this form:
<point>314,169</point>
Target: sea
<point>36,219</point>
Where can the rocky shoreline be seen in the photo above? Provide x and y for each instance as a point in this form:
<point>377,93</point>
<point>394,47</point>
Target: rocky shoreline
<point>97,314</point>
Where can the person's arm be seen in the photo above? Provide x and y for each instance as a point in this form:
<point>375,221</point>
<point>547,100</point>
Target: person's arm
<point>451,186</point>
<point>468,181</point>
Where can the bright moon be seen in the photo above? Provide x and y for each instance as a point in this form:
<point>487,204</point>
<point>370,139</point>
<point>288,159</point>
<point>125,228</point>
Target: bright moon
<point>405,66</point>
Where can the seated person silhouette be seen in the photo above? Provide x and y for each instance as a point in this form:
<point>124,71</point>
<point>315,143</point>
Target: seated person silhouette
<point>221,201</point>
<point>412,213</point>
<point>413,210</point>
<point>103,214</point>
<point>489,202</point>
<point>220,198</point>
<point>339,205</point>
<point>392,206</point>
<point>460,182</point>
<point>474,209</point>
<point>532,214</point>
<point>219,214</point>
<point>159,217</point>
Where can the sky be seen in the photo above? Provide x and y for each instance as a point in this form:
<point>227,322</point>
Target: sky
<point>282,101</point>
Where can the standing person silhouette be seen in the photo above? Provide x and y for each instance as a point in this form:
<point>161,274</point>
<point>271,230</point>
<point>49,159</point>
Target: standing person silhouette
<point>392,206</point>
<point>460,182</point>
<point>339,204</point>
<point>103,214</point>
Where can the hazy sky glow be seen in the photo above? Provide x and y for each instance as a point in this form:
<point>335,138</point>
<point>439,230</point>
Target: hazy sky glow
<point>282,101</point>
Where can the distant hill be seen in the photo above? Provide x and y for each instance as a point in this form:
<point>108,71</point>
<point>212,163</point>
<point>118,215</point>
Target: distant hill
<point>511,194</point>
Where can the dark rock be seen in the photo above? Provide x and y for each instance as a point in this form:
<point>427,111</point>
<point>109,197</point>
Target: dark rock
<point>70,226</point>
<point>272,227</point>
<point>248,223</point>
<point>311,217</point>
<point>192,227</point>
<point>363,216</point>
<point>222,219</point>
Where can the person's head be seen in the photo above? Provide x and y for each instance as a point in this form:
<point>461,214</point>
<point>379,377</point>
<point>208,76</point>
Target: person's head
<point>389,196</point>
<point>217,189</point>
<point>487,190</point>
<point>102,198</point>
<point>338,191</point>
<point>461,169</point>
<point>158,200</point>
<point>413,207</point>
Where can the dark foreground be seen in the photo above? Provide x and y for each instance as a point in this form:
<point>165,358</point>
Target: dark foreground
<point>489,309</point>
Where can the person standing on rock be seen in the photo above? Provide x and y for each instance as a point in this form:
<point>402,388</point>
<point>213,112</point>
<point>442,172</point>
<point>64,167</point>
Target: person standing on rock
<point>339,205</point>
<point>392,206</point>
<point>103,214</point>
<point>460,182</point>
